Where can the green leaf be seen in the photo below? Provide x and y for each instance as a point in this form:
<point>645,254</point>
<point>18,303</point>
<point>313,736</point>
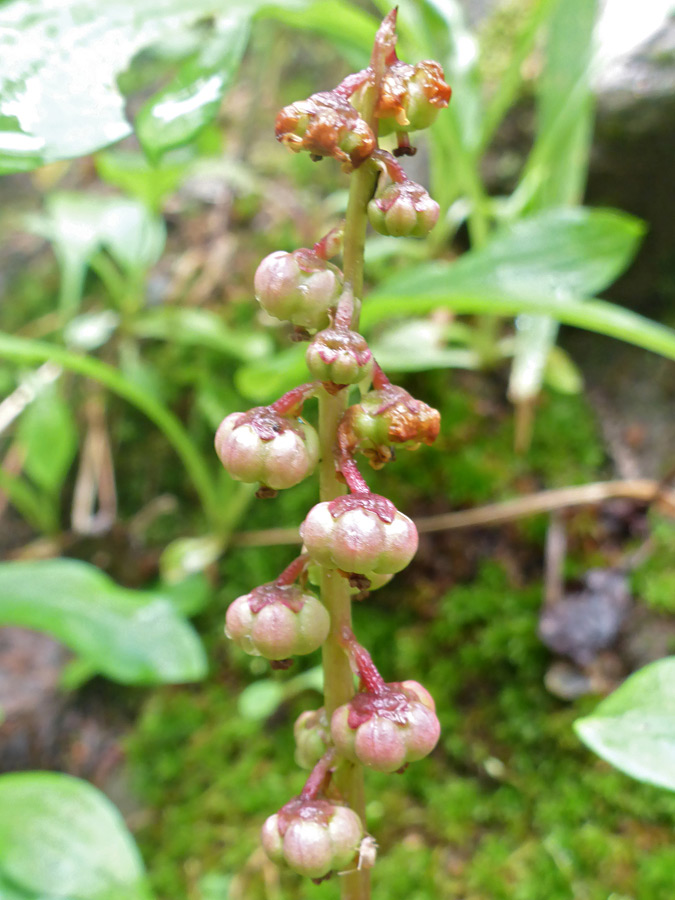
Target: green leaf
<point>188,556</point>
<point>61,837</point>
<point>262,698</point>
<point>202,328</point>
<point>417,345</point>
<point>133,174</point>
<point>189,596</point>
<point>562,374</point>
<point>23,350</point>
<point>48,436</point>
<point>350,29</point>
<point>179,112</point>
<point>566,79</point>
<point>259,700</point>
<point>135,637</point>
<point>12,892</point>
<point>79,224</point>
<point>265,379</point>
<point>59,96</point>
<point>559,252</point>
<point>634,728</point>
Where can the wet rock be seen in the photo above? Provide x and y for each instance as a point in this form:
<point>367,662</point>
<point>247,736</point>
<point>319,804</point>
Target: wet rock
<point>583,623</point>
<point>30,699</point>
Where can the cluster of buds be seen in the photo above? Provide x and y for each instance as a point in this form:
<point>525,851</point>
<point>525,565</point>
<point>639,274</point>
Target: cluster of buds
<point>353,537</point>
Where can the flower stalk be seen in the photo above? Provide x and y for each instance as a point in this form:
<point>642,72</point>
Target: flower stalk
<point>355,540</point>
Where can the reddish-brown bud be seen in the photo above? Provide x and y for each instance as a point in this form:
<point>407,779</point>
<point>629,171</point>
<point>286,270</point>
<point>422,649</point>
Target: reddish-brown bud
<point>411,96</point>
<point>326,125</point>
<point>388,416</point>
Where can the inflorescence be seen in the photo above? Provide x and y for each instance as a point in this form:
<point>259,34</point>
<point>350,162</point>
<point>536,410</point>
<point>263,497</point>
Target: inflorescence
<point>361,536</point>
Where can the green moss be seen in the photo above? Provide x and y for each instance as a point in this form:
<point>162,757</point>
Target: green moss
<point>654,580</point>
<point>510,805</point>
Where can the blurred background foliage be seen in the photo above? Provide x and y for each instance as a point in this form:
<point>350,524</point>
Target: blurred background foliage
<point>143,186</point>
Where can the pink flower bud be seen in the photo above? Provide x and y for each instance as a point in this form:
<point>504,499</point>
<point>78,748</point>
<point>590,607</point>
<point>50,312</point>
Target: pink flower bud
<point>300,287</point>
<point>314,837</point>
<point>312,737</point>
<point>339,356</point>
<point>277,621</point>
<point>403,209</point>
<point>360,533</point>
<point>261,445</point>
<point>388,729</point>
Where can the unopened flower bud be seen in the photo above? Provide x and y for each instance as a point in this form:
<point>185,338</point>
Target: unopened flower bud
<point>388,729</point>
<point>312,737</point>
<point>263,446</point>
<point>340,356</point>
<point>299,287</point>
<point>277,621</point>
<point>359,533</point>
<point>403,209</point>
<point>411,96</point>
<point>326,125</point>
<point>313,837</point>
<point>388,416</point>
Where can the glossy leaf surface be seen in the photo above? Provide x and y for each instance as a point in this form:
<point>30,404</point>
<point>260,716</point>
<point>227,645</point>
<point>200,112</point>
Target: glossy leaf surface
<point>61,837</point>
<point>135,637</point>
<point>634,728</point>
<point>59,96</point>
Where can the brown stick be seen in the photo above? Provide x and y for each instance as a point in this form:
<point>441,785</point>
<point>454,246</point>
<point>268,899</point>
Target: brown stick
<point>645,490</point>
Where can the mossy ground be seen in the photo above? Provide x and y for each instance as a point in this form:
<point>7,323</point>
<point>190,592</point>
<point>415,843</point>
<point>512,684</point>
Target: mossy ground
<point>510,804</point>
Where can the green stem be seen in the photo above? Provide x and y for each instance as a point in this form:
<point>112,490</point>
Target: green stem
<point>24,350</point>
<point>338,678</point>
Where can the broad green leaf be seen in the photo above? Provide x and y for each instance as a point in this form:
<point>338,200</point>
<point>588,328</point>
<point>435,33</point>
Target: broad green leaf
<point>62,837</point>
<point>417,345</point>
<point>189,596</point>
<point>202,328</point>
<point>48,436</point>
<point>559,252</point>
<point>180,110</point>
<point>593,315</point>
<point>634,728</point>
<point>12,892</point>
<point>135,637</point>
<point>59,96</point>
<point>262,380</point>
